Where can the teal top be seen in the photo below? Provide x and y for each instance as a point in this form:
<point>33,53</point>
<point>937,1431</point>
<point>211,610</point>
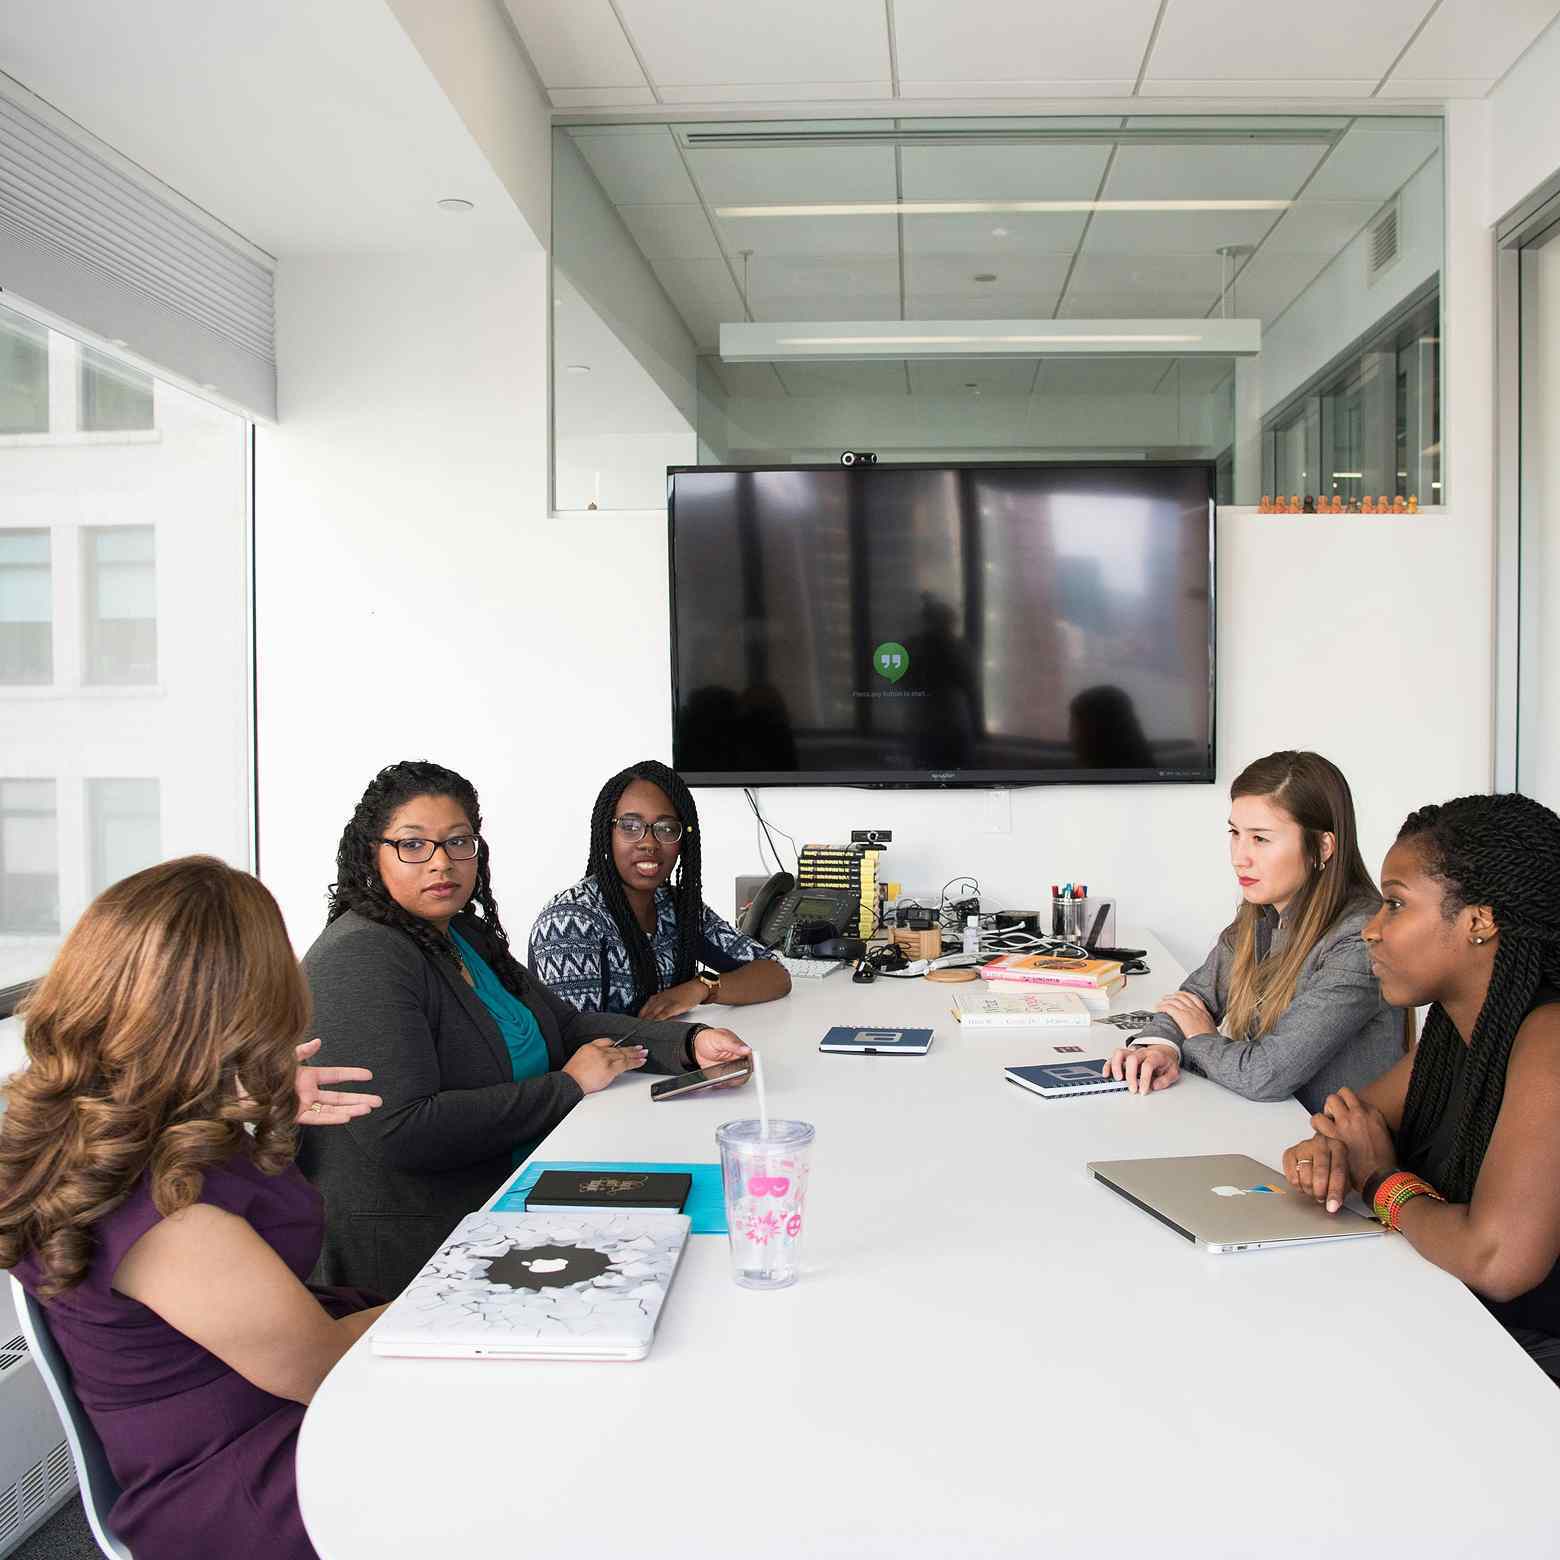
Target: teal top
<point>527,1050</point>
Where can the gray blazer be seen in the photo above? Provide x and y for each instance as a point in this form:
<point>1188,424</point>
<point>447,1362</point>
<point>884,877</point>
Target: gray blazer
<point>398,1180</point>
<point>1338,1029</point>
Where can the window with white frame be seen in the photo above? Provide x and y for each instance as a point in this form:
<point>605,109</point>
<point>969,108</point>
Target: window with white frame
<point>124,631</point>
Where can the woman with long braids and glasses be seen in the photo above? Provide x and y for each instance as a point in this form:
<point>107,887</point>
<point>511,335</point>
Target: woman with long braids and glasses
<point>1285,1004</point>
<point>477,1061</point>
<point>635,935</point>
<point>1458,1145</point>
<point>149,1203</point>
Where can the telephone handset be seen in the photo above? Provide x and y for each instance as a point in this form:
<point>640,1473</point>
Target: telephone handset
<point>780,905</point>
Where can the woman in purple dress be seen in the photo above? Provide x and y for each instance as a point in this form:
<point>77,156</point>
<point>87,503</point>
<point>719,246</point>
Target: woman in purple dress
<point>148,1198</point>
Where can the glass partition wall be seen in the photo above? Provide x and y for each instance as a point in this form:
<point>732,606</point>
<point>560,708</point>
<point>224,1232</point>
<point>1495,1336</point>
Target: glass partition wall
<point>1323,233</point>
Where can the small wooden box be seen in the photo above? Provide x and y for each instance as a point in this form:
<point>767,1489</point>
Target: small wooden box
<point>919,945</point>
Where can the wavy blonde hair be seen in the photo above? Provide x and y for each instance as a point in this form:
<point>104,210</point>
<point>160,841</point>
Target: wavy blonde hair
<point>1315,794</point>
<point>160,1042</point>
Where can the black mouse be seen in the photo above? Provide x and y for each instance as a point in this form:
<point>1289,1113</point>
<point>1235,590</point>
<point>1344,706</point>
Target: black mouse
<point>865,974</point>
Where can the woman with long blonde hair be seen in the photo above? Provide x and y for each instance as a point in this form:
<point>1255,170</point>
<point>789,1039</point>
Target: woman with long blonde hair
<point>148,1199</point>
<point>1285,1004</point>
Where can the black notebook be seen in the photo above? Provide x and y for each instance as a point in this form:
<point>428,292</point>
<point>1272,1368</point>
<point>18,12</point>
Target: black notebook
<point>629,1190</point>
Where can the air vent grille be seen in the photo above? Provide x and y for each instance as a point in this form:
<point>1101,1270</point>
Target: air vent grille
<point>1381,244</point>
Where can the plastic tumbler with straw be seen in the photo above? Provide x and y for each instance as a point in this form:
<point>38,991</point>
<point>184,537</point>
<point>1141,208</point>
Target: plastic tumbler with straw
<point>764,1166</point>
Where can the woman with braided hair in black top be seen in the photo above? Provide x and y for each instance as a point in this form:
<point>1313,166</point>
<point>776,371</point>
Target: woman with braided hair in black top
<point>635,935</point>
<point>1458,1146</point>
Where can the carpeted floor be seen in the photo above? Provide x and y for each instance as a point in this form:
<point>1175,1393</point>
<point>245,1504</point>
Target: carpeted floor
<point>65,1536</point>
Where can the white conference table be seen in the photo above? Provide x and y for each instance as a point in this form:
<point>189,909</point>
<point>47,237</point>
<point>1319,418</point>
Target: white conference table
<point>988,1352</point>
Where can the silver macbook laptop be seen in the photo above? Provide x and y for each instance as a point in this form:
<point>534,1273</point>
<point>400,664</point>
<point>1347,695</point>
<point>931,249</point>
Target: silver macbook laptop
<point>1227,1202</point>
<point>562,1286</point>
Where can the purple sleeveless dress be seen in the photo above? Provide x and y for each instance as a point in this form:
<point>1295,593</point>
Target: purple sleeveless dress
<point>204,1457</point>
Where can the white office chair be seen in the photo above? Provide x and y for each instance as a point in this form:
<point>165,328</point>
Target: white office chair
<point>99,1488</point>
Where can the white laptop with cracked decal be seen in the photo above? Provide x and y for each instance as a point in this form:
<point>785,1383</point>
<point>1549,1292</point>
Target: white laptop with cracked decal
<point>563,1286</point>
<point>1227,1202</point>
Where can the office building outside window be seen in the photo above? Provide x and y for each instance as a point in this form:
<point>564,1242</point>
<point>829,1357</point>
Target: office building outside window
<point>29,858</point>
<point>126,823</point>
<point>125,648</point>
<point>121,615</point>
<point>26,608</point>
<point>24,375</point>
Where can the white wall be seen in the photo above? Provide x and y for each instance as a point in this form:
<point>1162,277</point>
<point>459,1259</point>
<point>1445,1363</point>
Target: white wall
<point>413,598</point>
<point>1524,147</point>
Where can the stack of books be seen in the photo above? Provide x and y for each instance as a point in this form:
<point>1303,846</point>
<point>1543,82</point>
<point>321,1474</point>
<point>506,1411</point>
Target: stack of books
<point>1030,1007</point>
<point>853,867</point>
<point>1096,981</point>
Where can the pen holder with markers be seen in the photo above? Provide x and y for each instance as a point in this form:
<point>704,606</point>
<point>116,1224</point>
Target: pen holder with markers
<point>1069,917</point>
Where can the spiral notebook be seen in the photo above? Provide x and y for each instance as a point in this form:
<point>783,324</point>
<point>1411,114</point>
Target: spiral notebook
<point>1058,1080</point>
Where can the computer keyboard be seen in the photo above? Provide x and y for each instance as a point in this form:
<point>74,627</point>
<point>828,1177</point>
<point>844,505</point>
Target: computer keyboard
<point>812,969</point>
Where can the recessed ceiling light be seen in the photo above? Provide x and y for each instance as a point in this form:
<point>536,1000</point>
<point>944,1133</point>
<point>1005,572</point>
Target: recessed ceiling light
<point>985,276</point>
<point>975,208</point>
<point>576,368</point>
<point>453,203</point>
<point>999,232</point>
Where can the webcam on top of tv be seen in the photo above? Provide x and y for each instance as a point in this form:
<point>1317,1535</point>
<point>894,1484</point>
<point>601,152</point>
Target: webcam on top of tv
<point>858,457</point>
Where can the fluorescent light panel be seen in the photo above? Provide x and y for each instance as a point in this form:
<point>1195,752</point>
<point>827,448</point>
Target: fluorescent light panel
<point>823,340</point>
<point>983,208</point>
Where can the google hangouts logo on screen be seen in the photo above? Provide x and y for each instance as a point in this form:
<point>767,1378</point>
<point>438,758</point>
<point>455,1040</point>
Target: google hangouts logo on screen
<point>891,660</point>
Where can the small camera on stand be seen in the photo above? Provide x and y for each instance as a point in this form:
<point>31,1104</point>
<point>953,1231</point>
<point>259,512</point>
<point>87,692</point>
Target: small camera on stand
<point>858,458</point>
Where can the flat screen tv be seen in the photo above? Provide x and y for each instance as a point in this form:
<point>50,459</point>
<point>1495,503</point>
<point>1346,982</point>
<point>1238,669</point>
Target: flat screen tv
<point>925,625</point>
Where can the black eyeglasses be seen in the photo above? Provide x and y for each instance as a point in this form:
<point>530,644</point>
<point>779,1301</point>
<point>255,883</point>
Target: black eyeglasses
<point>667,830</point>
<point>413,851</point>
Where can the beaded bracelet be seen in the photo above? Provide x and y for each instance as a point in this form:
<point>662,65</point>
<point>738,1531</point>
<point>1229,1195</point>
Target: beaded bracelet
<point>1400,1187</point>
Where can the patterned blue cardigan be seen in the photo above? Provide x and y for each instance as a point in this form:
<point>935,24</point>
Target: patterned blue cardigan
<point>576,948</point>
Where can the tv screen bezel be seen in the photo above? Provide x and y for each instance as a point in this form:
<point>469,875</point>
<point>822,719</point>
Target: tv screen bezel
<point>932,779</point>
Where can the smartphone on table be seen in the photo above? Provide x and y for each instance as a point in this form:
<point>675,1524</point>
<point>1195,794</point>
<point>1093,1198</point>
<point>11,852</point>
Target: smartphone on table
<point>722,1075</point>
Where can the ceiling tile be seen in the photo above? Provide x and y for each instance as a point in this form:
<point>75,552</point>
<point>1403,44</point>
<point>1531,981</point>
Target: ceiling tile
<point>1319,227</point>
<point>990,376</point>
<point>1174,232</point>
<point>1471,38</point>
<point>1115,87</point>
<point>641,167</point>
<point>713,42</point>
<point>750,381</point>
<point>1236,41</point>
<point>1373,160</point>
<point>1010,38</point>
<point>810,379</point>
<point>602,97</point>
<point>1099,376</point>
<point>575,43</point>
<point>976,238</point>
<point>671,232</point>
<point>1032,172</point>
<point>1431,88</point>
<point>1254,171</point>
<point>771,237</point>
<point>771,175</point>
<point>850,289</point>
<point>1142,287</point>
<point>704,294</point>
<point>1271,281</point>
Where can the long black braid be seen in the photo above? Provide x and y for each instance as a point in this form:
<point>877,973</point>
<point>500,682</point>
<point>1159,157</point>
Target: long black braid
<point>359,887</point>
<point>687,886</point>
<point>1504,852</point>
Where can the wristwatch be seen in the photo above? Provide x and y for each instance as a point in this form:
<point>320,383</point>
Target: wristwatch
<point>711,984</point>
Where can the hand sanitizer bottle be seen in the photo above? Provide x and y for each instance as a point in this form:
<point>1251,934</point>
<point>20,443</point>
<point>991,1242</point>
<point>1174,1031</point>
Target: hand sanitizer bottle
<point>972,934</point>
